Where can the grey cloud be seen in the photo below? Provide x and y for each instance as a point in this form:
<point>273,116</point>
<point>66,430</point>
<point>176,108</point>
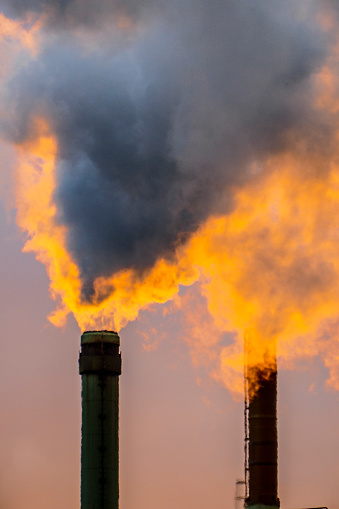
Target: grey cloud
<point>71,13</point>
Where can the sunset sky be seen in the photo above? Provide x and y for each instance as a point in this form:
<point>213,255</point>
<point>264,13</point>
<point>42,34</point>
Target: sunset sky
<point>170,172</point>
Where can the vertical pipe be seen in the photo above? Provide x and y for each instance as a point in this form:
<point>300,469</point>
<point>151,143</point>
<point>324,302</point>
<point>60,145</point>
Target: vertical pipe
<point>100,367</point>
<point>263,437</point>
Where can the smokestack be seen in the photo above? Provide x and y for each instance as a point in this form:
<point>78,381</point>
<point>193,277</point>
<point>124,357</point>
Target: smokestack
<point>100,367</point>
<point>261,437</point>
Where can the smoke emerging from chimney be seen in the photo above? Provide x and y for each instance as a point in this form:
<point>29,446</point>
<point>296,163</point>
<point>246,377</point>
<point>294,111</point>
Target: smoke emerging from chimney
<point>167,139</point>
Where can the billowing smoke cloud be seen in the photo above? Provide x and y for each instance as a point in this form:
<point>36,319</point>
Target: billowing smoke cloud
<point>158,124</point>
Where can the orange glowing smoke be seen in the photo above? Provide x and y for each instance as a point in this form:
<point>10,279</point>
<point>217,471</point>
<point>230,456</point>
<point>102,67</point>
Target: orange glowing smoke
<point>270,268</point>
<point>117,299</point>
<point>36,214</point>
<point>25,32</point>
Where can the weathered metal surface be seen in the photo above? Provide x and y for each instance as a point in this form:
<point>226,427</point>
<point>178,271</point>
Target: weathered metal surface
<point>100,367</point>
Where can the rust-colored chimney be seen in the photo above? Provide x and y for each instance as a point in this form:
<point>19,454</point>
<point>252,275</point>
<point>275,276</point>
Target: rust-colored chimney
<point>262,437</point>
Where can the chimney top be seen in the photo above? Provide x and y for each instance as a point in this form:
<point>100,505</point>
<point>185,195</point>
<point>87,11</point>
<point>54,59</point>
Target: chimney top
<point>103,336</point>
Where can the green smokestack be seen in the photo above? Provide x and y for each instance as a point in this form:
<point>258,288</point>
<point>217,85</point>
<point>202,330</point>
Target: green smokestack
<point>100,367</point>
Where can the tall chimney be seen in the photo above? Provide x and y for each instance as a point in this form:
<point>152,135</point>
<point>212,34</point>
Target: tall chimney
<point>100,367</point>
<point>262,437</point>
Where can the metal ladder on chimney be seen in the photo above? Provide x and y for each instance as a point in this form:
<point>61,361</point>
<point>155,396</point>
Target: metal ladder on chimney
<point>246,419</point>
<point>247,438</point>
<point>239,495</point>
<point>244,483</point>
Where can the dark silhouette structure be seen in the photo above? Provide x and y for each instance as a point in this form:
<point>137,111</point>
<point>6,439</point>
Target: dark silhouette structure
<point>100,367</point>
<point>261,437</point>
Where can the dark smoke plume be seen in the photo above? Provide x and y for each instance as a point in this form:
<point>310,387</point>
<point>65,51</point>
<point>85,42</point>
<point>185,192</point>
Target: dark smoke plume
<point>159,121</point>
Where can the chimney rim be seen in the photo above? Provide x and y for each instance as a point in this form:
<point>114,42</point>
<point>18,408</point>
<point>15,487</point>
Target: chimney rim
<point>103,336</point>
